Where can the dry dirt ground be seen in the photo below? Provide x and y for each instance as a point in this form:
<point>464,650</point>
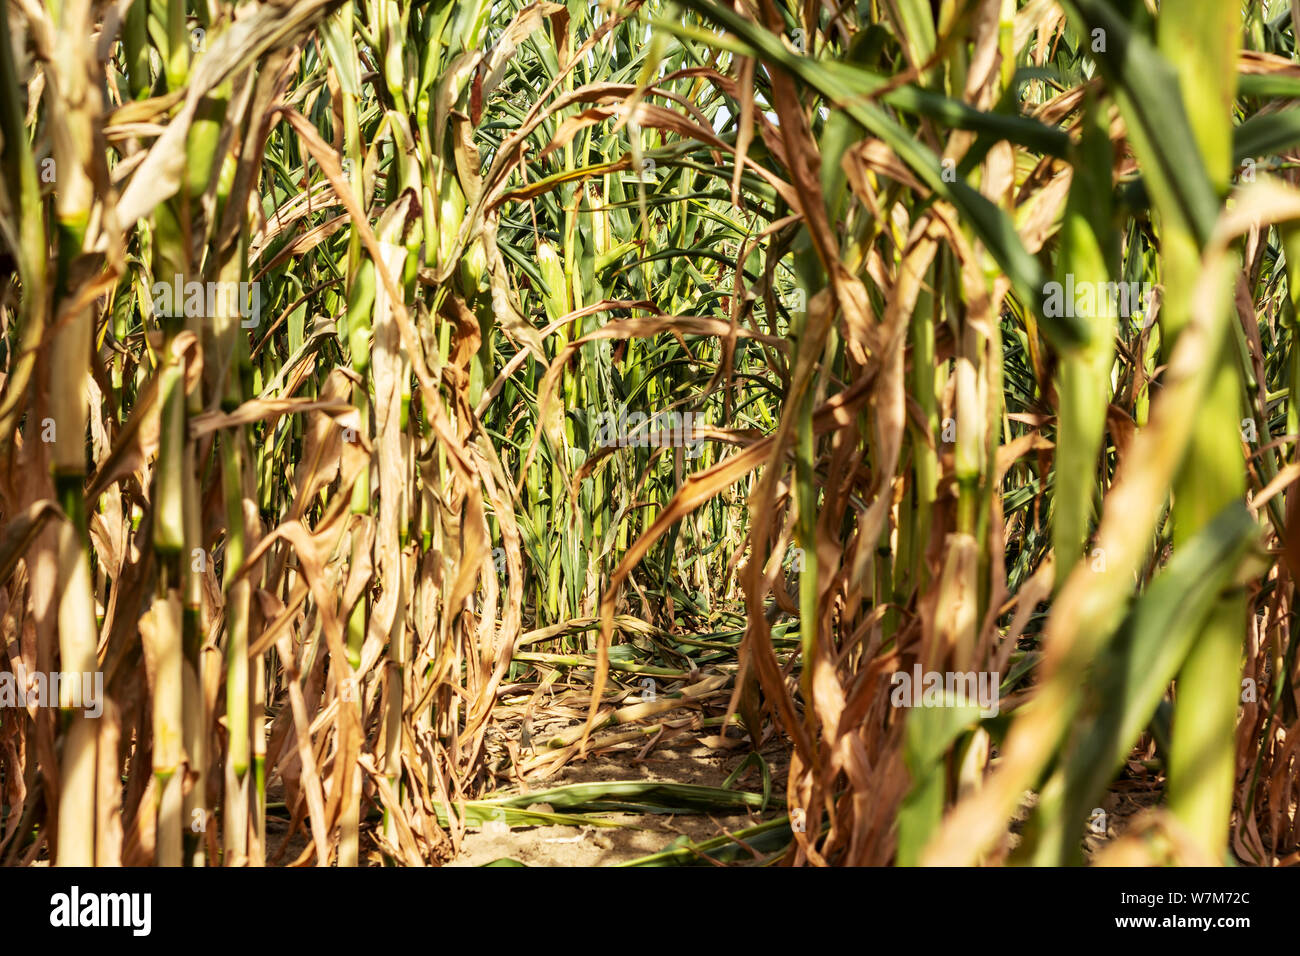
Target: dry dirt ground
<point>686,757</point>
<point>638,834</point>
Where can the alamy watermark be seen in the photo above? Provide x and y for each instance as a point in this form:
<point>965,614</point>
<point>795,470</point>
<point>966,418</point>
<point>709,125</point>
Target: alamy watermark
<point>127,910</point>
<point>1088,299</point>
<point>84,690</point>
<point>621,429</point>
<point>946,689</point>
<point>201,300</point>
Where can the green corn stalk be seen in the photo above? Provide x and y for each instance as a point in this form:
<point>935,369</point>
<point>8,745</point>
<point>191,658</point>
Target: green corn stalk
<point>1087,260</point>
<point>1201,40</point>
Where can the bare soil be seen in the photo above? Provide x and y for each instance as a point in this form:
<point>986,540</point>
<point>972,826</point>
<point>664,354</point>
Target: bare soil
<point>637,835</point>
